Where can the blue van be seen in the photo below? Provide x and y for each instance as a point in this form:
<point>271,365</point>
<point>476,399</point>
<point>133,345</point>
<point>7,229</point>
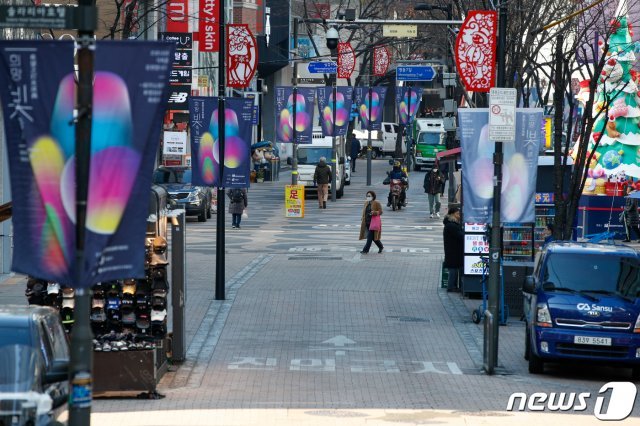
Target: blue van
<point>582,303</point>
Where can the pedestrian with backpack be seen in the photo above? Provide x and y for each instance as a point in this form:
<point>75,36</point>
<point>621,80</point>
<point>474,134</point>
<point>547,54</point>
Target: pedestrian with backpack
<point>239,202</point>
<point>322,178</point>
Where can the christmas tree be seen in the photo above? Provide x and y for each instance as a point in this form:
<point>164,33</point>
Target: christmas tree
<point>617,100</point>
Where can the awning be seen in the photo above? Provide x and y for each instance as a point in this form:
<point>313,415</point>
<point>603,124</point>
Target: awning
<point>455,152</point>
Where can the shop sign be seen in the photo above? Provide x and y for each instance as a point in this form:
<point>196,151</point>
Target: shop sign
<point>475,244</point>
<point>177,16</point>
<point>172,160</point>
<point>180,76</point>
<point>294,200</point>
<point>182,58</point>
<point>174,143</point>
<point>475,227</point>
<point>178,98</point>
<point>208,26</point>
<point>182,40</point>
<point>472,265</point>
<point>203,80</point>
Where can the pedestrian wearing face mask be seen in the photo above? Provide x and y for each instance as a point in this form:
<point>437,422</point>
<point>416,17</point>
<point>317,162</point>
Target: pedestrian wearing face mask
<point>433,184</point>
<point>371,224</point>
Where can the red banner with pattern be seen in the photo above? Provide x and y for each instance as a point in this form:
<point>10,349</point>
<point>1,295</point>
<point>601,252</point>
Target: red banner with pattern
<point>476,50</point>
<point>346,60</point>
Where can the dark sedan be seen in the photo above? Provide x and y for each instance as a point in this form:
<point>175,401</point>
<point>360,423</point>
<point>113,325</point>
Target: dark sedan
<point>196,200</point>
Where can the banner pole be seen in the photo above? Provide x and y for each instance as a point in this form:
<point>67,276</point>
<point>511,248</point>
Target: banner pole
<point>220,243</point>
<point>334,187</point>
<point>294,80</point>
<point>81,351</point>
<point>369,121</point>
<point>495,246</point>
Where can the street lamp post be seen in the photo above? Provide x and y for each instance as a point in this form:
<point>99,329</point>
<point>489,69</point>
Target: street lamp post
<point>332,37</point>
<point>220,213</point>
<point>294,81</point>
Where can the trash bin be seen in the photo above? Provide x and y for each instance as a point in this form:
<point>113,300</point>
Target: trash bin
<point>444,276</point>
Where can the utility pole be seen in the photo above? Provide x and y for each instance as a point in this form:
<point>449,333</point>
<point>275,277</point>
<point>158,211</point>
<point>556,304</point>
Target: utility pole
<point>334,166</point>
<point>220,212</point>
<point>369,121</point>
<point>495,246</point>
<point>294,82</point>
<point>81,362</point>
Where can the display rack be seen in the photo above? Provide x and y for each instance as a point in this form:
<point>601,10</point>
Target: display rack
<point>545,214</point>
<point>517,242</point>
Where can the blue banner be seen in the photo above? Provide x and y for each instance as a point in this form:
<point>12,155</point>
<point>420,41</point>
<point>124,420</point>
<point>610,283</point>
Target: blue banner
<point>519,169</point>
<point>408,102</point>
<point>203,113</point>
<point>305,104</point>
<point>344,98</point>
<point>361,98</point>
<point>38,94</point>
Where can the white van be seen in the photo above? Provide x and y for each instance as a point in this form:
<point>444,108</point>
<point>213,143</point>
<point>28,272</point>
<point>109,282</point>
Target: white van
<point>309,155</point>
<point>383,141</point>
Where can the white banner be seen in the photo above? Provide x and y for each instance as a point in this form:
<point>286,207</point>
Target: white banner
<point>175,143</point>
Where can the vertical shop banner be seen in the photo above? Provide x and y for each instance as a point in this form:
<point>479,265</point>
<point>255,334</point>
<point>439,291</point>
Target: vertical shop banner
<point>208,40</point>
<point>344,96</point>
<point>177,16</point>
<point>305,104</point>
<point>203,113</point>
<point>519,170</point>
<point>408,101</point>
<point>242,55</point>
<point>377,103</point>
<point>129,95</point>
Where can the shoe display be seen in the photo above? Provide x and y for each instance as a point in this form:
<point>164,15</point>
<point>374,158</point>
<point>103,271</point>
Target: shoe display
<point>126,314</point>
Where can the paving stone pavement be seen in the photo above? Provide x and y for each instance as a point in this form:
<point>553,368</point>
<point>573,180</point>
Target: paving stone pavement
<point>314,333</point>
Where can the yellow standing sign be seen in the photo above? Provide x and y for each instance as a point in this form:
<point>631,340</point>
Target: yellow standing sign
<point>294,201</point>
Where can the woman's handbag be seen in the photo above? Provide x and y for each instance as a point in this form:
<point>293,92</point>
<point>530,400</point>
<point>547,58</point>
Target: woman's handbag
<point>376,223</point>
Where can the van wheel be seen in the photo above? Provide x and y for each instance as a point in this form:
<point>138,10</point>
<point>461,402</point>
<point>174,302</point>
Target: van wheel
<point>536,364</point>
<point>340,191</point>
<point>527,344</point>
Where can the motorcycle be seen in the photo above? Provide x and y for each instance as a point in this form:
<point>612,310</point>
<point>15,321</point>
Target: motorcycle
<point>395,188</point>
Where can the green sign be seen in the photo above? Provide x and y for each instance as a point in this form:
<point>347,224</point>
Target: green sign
<point>55,17</point>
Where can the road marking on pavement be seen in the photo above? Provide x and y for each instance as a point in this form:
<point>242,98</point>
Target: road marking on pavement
<point>352,226</point>
<point>316,249</point>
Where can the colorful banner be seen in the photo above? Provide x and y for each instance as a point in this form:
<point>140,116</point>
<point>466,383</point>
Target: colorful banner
<point>203,113</point>
<point>294,201</point>
<point>475,50</point>
<point>208,40</point>
<point>305,104</point>
<point>519,170</point>
<point>38,94</point>
<point>344,97</point>
<point>408,101</point>
<point>242,55</point>
<point>361,98</point>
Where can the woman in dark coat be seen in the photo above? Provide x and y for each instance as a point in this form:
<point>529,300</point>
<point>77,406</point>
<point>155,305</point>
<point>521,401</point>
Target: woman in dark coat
<point>453,237</point>
<point>371,208</point>
<point>239,202</point>
<point>630,214</point>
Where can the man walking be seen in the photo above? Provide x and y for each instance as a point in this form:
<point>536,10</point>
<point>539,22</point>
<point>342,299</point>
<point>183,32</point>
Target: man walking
<point>354,150</point>
<point>433,182</point>
<point>322,177</point>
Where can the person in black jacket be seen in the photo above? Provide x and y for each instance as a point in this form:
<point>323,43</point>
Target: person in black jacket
<point>453,237</point>
<point>433,185</point>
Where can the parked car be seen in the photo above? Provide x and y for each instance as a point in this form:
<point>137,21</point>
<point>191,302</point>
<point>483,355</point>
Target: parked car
<point>196,200</point>
<point>582,303</point>
<point>34,363</point>
<point>383,141</point>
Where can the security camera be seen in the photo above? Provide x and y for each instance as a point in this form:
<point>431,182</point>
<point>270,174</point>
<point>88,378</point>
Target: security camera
<point>332,38</point>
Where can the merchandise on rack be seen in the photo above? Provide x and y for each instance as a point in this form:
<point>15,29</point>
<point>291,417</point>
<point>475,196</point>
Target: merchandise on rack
<point>128,314</point>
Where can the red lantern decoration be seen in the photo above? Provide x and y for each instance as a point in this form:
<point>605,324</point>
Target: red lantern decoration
<point>381,60</point>
<point>346,60</point>
<point>476,50</point>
